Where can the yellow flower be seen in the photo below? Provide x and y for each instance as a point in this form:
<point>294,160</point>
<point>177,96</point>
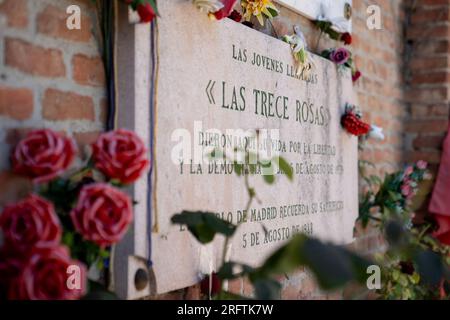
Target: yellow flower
<point>258,8</point>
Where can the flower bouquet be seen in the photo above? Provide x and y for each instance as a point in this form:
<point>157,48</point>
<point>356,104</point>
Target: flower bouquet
<point>63,230</point>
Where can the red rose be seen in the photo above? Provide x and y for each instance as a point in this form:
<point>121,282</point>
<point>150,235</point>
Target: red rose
<point>443,233</point>
<point>102,214</point>
<point>10,266</point>
<point>146,12</point>
<point>120,155</point>
<point>346,38</point>
<point>216,285</point>
<point>43,155</point>
<point>235,15</point>
<point>228,6</point>
<point>356,75</point>
<point>49,274</point>
<point>30,223</point>
<point>354,124</point>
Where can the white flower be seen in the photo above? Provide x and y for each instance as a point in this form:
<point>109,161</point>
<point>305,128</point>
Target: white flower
<point>376,132</point>
<point>209,6</point>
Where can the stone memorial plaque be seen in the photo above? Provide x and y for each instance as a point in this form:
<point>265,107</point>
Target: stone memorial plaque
<point>214,78</point>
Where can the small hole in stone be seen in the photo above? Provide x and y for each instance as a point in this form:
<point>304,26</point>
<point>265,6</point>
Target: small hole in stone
<point>140,279</point>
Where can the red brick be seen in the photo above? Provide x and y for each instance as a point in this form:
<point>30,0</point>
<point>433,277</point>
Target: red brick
<point>235,286</point>
<point>429,63</point>
<point>85,139</point>
<point>437,31</point>
<point>103,110</point>
<point>60,105</point>
<point>16,103</point>
<point>424,14</point>
<point>429,142</point>
<point>33,59</point>
<point>13,188</point>
<point>431,78</point>
<point>426,126</point>
<point>428,95</point>
<point>432,157</point>
<point>193,293</point>
<point>420,111</point>
<point>13,136</point>
<point>88,71</point>
<point>52,22</point>
<point>16,12</point>
<point>247,288</point>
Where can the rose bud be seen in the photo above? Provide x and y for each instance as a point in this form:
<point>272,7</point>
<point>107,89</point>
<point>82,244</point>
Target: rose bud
<point>146,12</point>
<point>356,75</point>
<point>346,38</point>
<point>216,285</point>
<point>43,155</point>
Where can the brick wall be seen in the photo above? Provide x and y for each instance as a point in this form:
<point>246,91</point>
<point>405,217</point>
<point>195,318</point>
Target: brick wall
<point>50,77</point>
<point>427,83</point>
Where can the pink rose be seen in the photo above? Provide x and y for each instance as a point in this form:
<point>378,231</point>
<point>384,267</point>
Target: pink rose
<point>406,190</point>
<point>43,155</point>
<point>47,274</point>
<point>102,214</point>
<point>30,223</point>
<point>422,165</point>
<point>340,56</point>
<point>409,171</point>
<point>120,155</point>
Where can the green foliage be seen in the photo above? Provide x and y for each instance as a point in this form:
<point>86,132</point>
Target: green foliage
<point>333,266</point>
<point>415,264</point>
<point>204,225</point>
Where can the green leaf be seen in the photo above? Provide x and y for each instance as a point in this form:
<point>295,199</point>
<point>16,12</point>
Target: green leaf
<point>285,167</point>
<point>332,265</point>
<point>204,225</point>
<point>227,271</point>
<point>269,178</point>
<point>226,295</point>
<point>267,289</point>
<point>273,12</point>
<point>429,266</point>
<point>238,168</point>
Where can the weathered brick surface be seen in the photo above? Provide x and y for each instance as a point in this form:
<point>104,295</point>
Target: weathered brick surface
<point>52,22</point>
<point>16,12</point>
<point>16,103</point>
<point>88,71</point>
<point>34,59</point>
<point>50,77</point>
<point>53,77</point>
<point>62,105</point>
